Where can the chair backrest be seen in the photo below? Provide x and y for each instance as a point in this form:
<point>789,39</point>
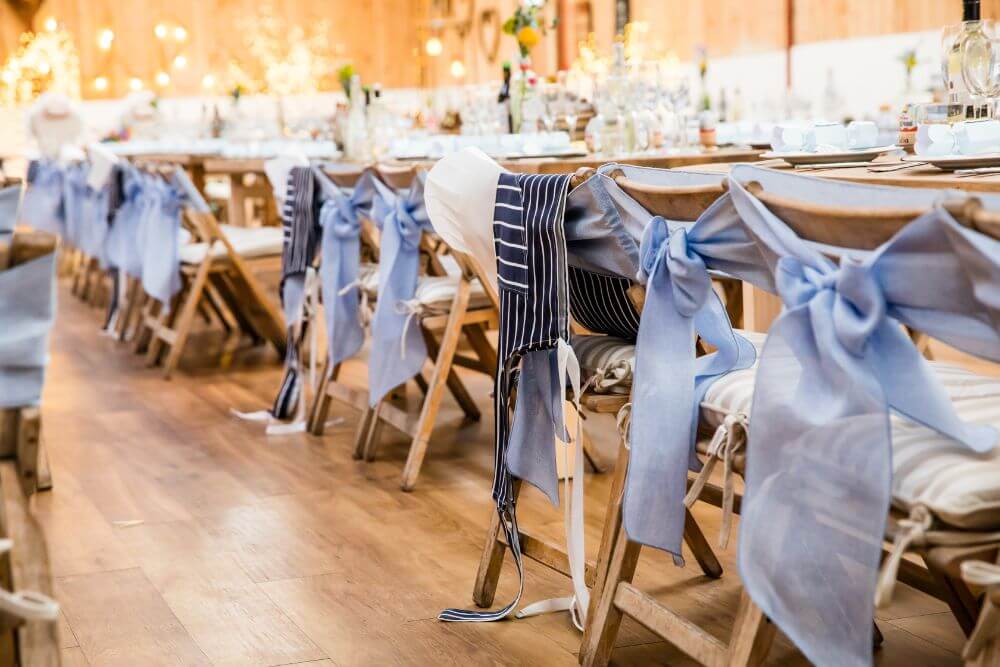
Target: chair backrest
<point>864,228</point>
<point>344,174</point>
<point>674,202</point>
<point>397,176</point>
<point>971,213</point>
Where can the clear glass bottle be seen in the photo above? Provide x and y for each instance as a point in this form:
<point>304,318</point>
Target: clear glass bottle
<point>357,125</point>
<point>970,33</point>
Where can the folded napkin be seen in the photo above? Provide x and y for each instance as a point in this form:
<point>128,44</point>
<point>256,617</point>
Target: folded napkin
<point>976,137</point>
<point>935,139</point>
<point>824,137</point>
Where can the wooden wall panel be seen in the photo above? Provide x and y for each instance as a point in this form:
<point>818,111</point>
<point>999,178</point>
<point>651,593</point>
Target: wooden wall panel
<point>377,36</point>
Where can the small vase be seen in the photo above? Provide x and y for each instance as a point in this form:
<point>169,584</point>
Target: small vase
<point>519,91</point>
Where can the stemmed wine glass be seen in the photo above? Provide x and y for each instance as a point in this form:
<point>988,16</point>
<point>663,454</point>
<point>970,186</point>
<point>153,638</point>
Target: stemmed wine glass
<point>981,61</point>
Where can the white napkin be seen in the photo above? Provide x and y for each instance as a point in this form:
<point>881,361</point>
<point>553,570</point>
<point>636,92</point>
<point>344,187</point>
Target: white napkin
<point>862,134</point>
<point>935,139</point>
<point>976,137</point>
<point>102,162</point>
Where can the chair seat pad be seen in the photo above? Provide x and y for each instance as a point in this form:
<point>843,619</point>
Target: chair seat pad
<point>248,242</point>
<point>960,487</point>
<point>435,293</point>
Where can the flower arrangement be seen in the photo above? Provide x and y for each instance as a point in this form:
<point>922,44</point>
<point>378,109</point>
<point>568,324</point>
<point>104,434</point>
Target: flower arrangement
<point>706,100</point>
<point>344,75</point>
<point>526,26</point>
<point>909,60</point>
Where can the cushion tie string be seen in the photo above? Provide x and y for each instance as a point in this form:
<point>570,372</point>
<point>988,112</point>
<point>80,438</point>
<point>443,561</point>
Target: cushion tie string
<point>624,420</point>
<point>411,308</point>
<point>364,307</point>
<point>729,438</point>
<point>912,532</point>
<point>984,575</point>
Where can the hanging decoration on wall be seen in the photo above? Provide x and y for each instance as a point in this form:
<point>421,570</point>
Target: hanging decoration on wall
<point>44,61</point>
<point>26,10</point>
<point>489,34</point>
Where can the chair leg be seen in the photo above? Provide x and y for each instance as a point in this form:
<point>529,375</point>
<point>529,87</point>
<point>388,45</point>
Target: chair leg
<point>602,626</point>
<point>374,432</point>
<point>442,368</point>
<point>488,576</point>
<point>752,635</point>
<point>185,318</point>
<point>455,384</point>
<point>320,409</point>
<point>364,430</point>
<point>612,524</point>
<point>700,547</point>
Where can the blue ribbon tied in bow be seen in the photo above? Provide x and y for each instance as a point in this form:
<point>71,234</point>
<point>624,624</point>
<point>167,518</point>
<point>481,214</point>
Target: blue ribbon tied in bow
<point>818,479</point>
<point>669,381</point>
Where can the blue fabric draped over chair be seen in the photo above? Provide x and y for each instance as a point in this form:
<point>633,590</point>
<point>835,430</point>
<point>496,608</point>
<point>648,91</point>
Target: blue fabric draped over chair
<point>670,382</point>
<point>398,348</point>
<point>27,292</point>
<point>42,207</point>
<point>835,363</point>
<point>340,261</point>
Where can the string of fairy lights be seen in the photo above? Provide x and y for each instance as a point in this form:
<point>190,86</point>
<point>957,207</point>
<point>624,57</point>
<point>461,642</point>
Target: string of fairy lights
<point>274,57</point>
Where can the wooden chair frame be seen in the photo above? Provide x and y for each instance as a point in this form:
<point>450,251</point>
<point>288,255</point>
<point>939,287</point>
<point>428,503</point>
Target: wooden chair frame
<point>220,284</point>
<point>689,202</point>
<point>753,633</point>
<point>24,470</point>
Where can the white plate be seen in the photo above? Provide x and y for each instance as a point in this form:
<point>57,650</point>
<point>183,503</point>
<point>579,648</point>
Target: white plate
<point>952,162</point>
<point>802,157</point>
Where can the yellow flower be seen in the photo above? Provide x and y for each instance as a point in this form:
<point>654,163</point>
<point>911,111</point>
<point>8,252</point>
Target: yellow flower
<point>528,37</point>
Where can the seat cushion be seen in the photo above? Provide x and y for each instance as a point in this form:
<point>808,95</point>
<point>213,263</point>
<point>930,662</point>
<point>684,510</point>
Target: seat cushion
<point>435,293</point>
<point>609,361</point>
<point>248,242</point>
<point>960,487</point>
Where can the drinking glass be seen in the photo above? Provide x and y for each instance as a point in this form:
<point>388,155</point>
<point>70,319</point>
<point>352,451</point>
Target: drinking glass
<point>981,61</point>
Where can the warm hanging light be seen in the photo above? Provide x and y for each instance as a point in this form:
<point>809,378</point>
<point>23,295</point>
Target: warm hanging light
<point>457,69</point>
<point>105,38</point>
<point>162,79</point>
<point>180,34</point>
<point>51,25</point>
<point>180,62</point>
<point>101,83</point>
<point>135,83</point>
<point>208,81</point>
<point>433,47</point>
<point>160,30</point>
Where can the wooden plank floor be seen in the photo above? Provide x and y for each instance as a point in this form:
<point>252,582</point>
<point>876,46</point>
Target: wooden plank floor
<point>180,536</point>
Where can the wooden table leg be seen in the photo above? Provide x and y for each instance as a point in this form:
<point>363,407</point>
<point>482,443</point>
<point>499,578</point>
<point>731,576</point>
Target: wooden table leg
<point>237,201</point>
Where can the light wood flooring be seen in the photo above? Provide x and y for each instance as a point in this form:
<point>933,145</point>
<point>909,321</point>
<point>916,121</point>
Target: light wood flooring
<point>181,536</point>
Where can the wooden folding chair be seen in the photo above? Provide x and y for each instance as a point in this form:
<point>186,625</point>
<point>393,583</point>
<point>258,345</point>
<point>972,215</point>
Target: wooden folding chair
<point>679,204</point>
<point>220,282</point>
<point>753,633</point>
<point>23,471</point>
<point>443,326</point>
<point>330,387</point>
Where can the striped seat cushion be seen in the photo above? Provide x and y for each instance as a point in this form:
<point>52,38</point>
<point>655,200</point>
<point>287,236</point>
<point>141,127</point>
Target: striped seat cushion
<point>608,360</point>
<point>960,487</point>
<point>435,293</point>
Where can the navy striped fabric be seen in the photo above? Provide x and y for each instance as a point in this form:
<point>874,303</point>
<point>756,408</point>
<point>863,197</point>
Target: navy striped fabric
<point>601,304</point>
<point>534,315</point>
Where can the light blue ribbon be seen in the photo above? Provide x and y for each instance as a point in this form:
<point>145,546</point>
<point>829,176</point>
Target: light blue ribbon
<point>340,261</point>
<point>27,292</point>
<point>42,206</point>
<point>122,241</point>
<point>398,350</point>
<point>86,213</point>
<point>159,240</point>
<point>670,382</point>
<point>818,477</point>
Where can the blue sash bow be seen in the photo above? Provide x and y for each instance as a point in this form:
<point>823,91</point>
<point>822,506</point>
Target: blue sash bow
<point>680,302</point>
<point>398,350</point>
<point>819,471</point>
<point>340,262</point>
<point>27,293</point>
<point>42,207</point>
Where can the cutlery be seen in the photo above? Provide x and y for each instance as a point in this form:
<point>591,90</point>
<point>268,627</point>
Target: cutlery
<point>895,167</point>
